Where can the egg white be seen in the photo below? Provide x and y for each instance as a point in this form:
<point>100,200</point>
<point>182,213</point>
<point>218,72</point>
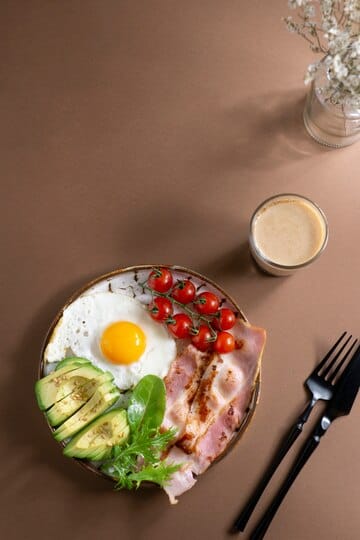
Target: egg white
<point>79,331</point>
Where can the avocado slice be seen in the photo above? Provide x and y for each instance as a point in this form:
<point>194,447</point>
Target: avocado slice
<point>105,396</point>
<point>99,453</point>
<point>96,439</point>
<point>61,383</point>
<point>67,406</point>
<point>73,360</point>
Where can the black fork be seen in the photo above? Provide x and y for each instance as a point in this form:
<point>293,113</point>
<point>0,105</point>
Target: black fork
<point>320,383</point>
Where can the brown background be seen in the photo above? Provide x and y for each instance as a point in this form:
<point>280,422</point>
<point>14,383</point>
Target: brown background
<point>147,131</point>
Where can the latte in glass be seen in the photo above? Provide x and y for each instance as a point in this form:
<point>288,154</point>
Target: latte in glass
<point>287,232</point>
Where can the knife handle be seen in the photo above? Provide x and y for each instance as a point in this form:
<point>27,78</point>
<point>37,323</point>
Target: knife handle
<point>287,443</point>
<point>308,448</point>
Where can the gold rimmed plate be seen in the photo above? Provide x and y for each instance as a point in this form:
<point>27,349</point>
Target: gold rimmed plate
<point>126,281</point>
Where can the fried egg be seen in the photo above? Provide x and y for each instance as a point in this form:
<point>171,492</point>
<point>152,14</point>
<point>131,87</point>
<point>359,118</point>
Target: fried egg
<point>117,334</point>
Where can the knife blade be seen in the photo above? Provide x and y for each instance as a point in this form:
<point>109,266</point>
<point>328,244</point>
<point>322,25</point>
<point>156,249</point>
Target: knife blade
<point>346,390</point>
<point>340,405</point>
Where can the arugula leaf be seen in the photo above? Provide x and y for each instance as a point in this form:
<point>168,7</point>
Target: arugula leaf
<point>159,474</point>
<point>139,458</point>
<point>147,403</point>
<point>146,445</point>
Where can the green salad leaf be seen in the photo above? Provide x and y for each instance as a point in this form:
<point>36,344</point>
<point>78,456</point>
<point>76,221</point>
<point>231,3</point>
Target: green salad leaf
<point>158,473</point>
<point>139,459</point>
<point>147,403</point>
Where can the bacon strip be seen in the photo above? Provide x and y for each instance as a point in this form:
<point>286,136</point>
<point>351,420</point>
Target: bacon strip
<point>225,379</point>
<point>181,385</point>
<point>183,479</point>
<point>218,408</point>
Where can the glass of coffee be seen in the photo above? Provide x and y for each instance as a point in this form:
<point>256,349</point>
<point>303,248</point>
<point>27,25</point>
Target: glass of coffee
<point>287,232</point>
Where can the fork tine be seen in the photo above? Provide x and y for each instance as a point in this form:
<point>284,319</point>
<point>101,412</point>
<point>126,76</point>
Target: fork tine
<point>327,356</point>
<point>341,363</point>
<point>331,364</point>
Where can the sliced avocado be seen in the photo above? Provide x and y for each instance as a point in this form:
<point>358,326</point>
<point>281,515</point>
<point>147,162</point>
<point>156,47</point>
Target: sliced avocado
<point>99,453</point>
<point>105,396</point>
<point>67,406</point>
<point>96,439</point>
<point>73,360</point>
<point>59,384</point>
<point>55,377</point>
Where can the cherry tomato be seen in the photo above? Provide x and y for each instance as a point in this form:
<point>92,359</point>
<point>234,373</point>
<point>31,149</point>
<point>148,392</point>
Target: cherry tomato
<point>160,280</point>
<point>160,309</point>
<point>207,303</point>
<point>224,319</point>
<point>203,339</point>
<point>224,343</point>
<point>184,291</point>
<point>180,326</point>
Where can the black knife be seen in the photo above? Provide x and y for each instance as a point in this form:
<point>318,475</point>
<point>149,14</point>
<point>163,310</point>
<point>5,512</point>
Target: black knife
<point>340,405</point>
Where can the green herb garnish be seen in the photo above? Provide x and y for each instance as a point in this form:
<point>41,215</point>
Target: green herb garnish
<point>159,474</point>
<point>140,458</point>
<point>147,403</point>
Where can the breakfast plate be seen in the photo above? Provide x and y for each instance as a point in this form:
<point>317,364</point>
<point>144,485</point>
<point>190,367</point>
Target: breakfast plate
<point>75,332</point>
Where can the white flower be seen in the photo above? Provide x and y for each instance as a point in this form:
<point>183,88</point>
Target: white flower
<point>332,28</point>
<point>339,68</point>
<point>354,81</point>
<point>290,24</point>
<point>309,11</point>
<point>339,40</point>
<point>310,73</point>
<point>293,4</point>
<point>327,7</point>
<point>356,48</point>
<point>352,9</point>
<point>328,60</point>
<point>329,24</point>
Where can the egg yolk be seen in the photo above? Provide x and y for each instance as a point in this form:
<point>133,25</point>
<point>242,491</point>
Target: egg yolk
<point>123,342</point>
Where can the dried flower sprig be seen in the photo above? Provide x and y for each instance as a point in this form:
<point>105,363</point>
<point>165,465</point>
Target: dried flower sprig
<point>332,28</point>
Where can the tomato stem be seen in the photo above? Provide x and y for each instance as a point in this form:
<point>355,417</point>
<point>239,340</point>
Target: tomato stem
<point>194,314</point>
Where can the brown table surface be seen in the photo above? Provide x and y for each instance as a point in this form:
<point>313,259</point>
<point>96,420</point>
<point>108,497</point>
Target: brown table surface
<point>142,132</point>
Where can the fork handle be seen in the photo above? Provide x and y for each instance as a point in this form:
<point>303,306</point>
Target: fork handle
<point>309,447</point>
<point>287,443</point>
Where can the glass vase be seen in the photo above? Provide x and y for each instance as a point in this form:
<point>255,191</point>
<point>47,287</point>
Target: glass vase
<point>328,123</point>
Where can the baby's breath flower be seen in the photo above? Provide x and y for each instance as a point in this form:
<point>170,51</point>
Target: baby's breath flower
<point>340,69</point>
<point>309,11</point>
<point>352,9</point>
<point>290,24</point>
<point>332,28</point>
<point>356,48</point>
<point>293,4</point>
<point>311,72</point>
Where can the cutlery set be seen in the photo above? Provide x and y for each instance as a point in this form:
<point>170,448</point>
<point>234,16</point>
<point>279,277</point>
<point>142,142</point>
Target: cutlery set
<point>336,380</point>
